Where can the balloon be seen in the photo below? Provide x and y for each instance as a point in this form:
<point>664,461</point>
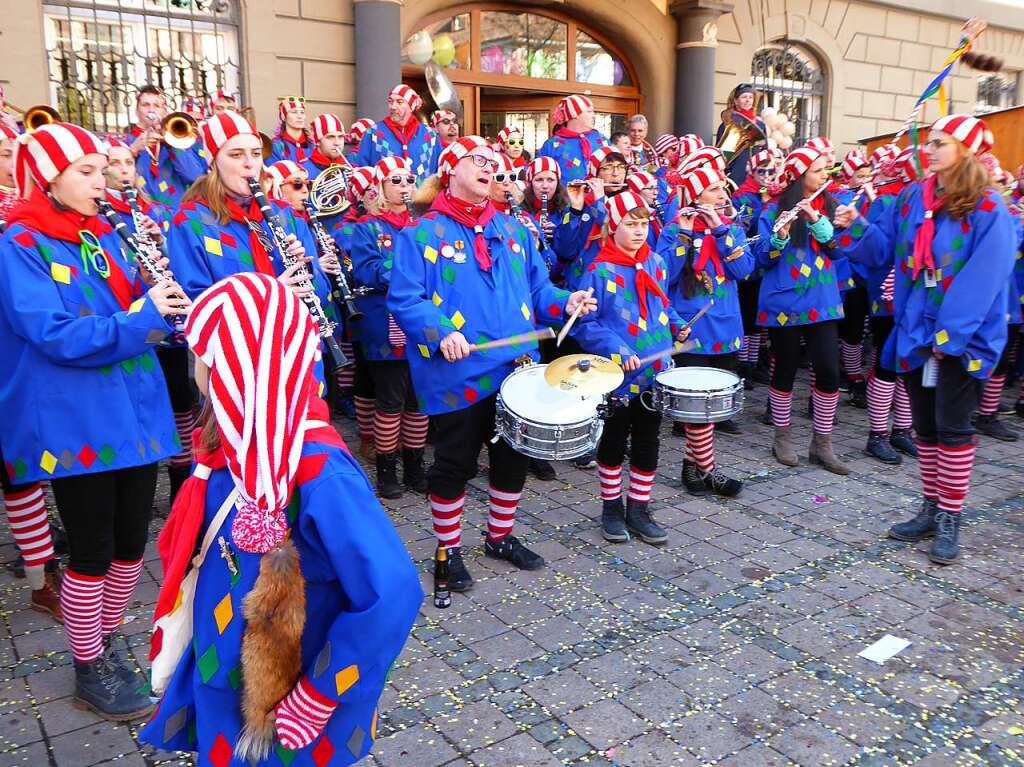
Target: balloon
<point>789,128</point>
<point>768,114</point>
<point>493,60</point>
<point>786,142</point>
<point>618,72</point>
<point>419,47</point>
<point>444,50</point>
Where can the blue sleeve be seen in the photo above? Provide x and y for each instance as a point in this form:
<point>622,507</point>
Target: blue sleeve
<point>414,311</point>
<point>729,241</point>
<point>276,152</point>
<point>435,156</point>
<point>765,254</point>
<point>593,330</point>
<point>188,164</point>
<point>570,235</point>
<point>364,155</point>
<point>188,259</point>
<point>367,260</point>
<point>33,306</point>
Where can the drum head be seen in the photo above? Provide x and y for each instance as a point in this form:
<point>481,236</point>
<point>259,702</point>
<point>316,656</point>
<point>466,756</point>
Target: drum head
<point>528,395</point>
<point>698,379</point>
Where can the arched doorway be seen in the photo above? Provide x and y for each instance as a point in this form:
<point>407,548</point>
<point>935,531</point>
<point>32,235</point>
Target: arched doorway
<point>511,66</point>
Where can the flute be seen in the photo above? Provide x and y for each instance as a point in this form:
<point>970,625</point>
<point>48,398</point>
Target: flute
<point>691,211</point>
<point>325,328</point>
<point>791,214</point>
<point>339,283</point>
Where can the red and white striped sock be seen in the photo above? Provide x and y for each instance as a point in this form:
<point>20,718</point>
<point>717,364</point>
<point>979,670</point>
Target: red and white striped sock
<point>302,715</point>
<point>386,427</point>
<point>902,416</point>
<point>991,394</point>
<point>346,377</point>
<point>30,525</point>
<point>927,467</point>
<point>824,410</point>
<point>700,445</point>
<point>852,359</point>
<point>640,483</point>
<point>751,348</point>
<point>81,604</point>
<point>120,583</point>
<point>414,430</point>
<point>447,514</point>
<point>880,396</point>
<point>781,404</point>
<point>611,481</point>
<point>501,514</point>
<point>185,422</point>
<point>954,476</point>
<point>366,407</point>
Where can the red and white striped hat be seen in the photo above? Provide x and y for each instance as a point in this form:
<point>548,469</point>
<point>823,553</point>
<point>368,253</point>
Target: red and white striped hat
<point>797,162</point>
<point>454,152</point>
<point>219,129</point>
<point>359,128</point>
<point>969,131</point>
<point>245,328</point>
<point>388,165</point>
<point>288,103</point>
<point>885,153</point>
<point>639,181</point>
<point>820,143</point>
<point>689,144</point>
<point>362,179</point>
<point>442,114</point>
<point>905,167</point>
<point>599,156</point>
<point>505,164</point>
<point>43,154</point>
<point>620,205</point>
<point>570,107</point>
<point>543,165</point>
<point>412,98</point>
<point>508,132</point>
<point>760,159</point>
<point>699,179</point>
<point>326,124</point>
<point>854,161</point>
<point>777,152</point>
<point>6,132</point>
<point>280,172</point>
<point>666,142</point>
<point>705,155</point>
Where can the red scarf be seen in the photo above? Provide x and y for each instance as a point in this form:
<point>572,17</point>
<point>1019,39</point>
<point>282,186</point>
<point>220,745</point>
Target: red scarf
<point>750,184</point>
<point>404,133</point>
<point>397,220</point>
<point>748,113</point>
<point>118,203</point>
<point>300,144</point>
<point>818,204</point>
<point>585,147</point>
<point>645,282</point>
<point>260,257</point>
<point>518,162</point>
<point>321,160</point>
<point>41,215</point>
<point>923,258</point>
<point>474,216</point>
<point>178,539</point>
<point>502,207</point>
<point>708,249</point>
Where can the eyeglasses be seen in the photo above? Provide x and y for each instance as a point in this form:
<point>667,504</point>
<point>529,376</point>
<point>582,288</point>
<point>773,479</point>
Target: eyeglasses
<point>399,180</point>
<point>299,99</point>
<point>481,161</point>
<point>765,171</point>
<point>447,121</point>
<point>514,142</point>
<point>614,166</point>
<point>937,143</point>
<point>505,178</point>
<point>298,185</point>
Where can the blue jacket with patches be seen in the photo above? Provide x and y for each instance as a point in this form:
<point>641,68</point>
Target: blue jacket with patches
<point>568,153</point>
<point>282,149</point>
<point>169,176</point>
<point>422,151</point>
<point>373,255</point>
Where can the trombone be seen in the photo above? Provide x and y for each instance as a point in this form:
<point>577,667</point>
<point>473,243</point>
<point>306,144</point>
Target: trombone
<point>179,130</point>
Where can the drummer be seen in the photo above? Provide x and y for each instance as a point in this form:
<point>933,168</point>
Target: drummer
<point>634,319</point>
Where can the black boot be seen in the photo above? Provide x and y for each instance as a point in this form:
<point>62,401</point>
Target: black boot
<point>993,427</point>
<point>640,521</point>
<point>728,427</point>
<point>100,689</point>
<point>177,475</point>
<point>113,645</point>
<point>745,370</point>
<point>878,448</point>
<point>920,527</point>
<point>542,470</point>
<point>859,394</point>
<point>413,475</point>
<point>945,548</point>
<point>692,480</point>
<point>903,440</point>
<point>387,476</point>
<point>719,483</point>
<point>459,578</point>
<point>613,521</point>
<point>511,550</point>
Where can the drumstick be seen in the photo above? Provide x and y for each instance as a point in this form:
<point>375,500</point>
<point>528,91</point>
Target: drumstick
<point>678,347</point>
<point>566,327</point>
<point>533,335</point>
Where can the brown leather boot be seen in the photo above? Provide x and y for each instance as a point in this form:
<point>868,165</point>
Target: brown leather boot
<point>47,599</point>
<point>821,453</point>
<point>367,450</point>
<point>783,449</point>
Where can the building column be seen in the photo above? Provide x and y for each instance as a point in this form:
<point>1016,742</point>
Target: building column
<point>695,65</point>
<point>378,42</point>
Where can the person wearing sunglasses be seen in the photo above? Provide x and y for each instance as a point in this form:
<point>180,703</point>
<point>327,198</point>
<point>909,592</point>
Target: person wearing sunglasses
<point>289,183</point>
<point>462,272</point>
<point>505,193</point>
<point>292,140</point>
<point>399,429</point>
<point>512,144</point>
<point>88,409</point>
<point>575,140</point>
<point>446,123</point>
<point>400,134</point>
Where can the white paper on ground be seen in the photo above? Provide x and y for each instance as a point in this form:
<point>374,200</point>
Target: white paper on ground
<point>884,648</point>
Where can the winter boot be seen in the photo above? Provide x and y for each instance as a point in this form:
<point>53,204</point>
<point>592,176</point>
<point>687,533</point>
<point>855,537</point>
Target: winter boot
<point>719,483</point>
<point>413,475</point>
<point>640,521</point>
<point>613,521</point>
<point>692,480</point>
<point>100,689</point>
<point>511,550</point>
<point>782,448</point>
<point>945,548</point>
<point>47,598</point>
<point>821,453</point>
<point>859,394</point>
<point>993,427</point>
<point>920,526</point>
<point>459,578</point>
<point>903,440</point>
<point>387,476</point>
<point>877,447</point>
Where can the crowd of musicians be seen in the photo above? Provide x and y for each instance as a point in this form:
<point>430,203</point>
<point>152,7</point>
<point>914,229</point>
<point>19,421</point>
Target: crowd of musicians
<point>361,267</point>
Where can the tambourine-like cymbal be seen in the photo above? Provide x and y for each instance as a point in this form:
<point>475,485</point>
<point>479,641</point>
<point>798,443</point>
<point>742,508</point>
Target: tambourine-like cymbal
<point>584,374</point>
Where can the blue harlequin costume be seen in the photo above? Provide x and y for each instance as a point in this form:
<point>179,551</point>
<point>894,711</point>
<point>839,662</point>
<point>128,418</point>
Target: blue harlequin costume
<point>572,151</point>
<point>169,175</point>
<point>417,143</point>
<point>284,147</point>
<point>373,253</point>
<point>578,235</point>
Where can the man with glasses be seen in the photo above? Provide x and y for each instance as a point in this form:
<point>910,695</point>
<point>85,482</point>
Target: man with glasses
<point>575,140</point>
<point>291,141</point>
<point>466,272</point>
<point>446,124</point>
<point>642,155</point>
<point>400,134</point>
<point>512,144</point>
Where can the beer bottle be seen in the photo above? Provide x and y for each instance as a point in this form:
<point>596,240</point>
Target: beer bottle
<point>442,596</point>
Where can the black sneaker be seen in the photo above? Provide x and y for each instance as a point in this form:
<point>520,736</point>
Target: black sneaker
<point>945,548</point>
<point>903,440</point>
<point>920,527</point>
<point>640,521</point>
<point>387,476</point>
<point>100,689</point>
<point>719,483</point>
<point>678,429</point>
<point>993,427</point>
<point>459,578</point>
<point>587,461</point>
<point>1019,408</point>
<point>728,427</point>
<point>511,550</point>
<point>859,394</point>
<point>692,480</point>
<point>877,447</point>
<point>414,476</point>
<point>542,470</point>
<point>613,521</point>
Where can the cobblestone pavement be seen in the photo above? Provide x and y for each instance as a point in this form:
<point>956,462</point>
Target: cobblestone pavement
<point>734,645</point>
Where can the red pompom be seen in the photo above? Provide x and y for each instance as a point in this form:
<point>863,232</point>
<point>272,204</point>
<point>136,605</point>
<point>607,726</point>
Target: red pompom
<point>258,531</point>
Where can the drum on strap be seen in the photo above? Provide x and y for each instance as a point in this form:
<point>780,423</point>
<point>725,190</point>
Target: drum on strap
<point>697,394</point>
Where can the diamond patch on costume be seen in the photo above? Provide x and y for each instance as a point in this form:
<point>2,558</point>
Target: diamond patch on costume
<point>430,254</point>
<point>458,320</point>
<point>819,262</point>
<point>323,660</point>
<point>60,273</point>
<point>941,337</point>
<point>208,664</point>
<point>423,350</point>
<point>642,323</point>
<point>663,318</point>
<point>355,742</point>
<point>345,678</point>
<point>136,306</point>
<point>525,310</point>
<point>781,317</point>
<point>223,613</point>
<point>805,270</point>
<point>220,751</point>
<point>213,246</point>
<point>610,286</point>
<point>437,299</point>
<point>973,366</point>
<point>48,461</point>
<point>67,459</point>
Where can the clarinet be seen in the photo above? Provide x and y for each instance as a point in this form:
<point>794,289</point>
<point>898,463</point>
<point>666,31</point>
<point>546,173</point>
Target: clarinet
<point>543,219</point>
<point>407,199</point>
<point>339,283</point>
<point>325,327</point>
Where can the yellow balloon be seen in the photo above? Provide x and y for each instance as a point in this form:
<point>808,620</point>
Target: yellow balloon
<point>444,50</point>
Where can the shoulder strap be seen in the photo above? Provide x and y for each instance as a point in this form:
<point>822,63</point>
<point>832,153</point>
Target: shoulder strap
<point>216,523</point>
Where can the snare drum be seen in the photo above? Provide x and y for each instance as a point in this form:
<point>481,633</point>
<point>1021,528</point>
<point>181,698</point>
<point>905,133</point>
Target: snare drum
<point>698,394</point>
<point>540,421</point>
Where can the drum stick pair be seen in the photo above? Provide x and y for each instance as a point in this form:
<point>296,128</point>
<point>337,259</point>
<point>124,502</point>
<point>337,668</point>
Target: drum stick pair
<point>679,347</point>
<point>533,335</point>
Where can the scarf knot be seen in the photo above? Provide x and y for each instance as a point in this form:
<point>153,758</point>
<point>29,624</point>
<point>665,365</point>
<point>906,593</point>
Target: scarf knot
<point>923,257</point>
<point>646,285</point>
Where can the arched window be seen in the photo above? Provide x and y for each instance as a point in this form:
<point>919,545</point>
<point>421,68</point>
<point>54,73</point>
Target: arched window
<point>789,78</point>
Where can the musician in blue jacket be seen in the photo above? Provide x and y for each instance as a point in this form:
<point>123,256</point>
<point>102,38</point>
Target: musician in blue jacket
<point>466,273</point>
<point>576,140</point>
<point>400,134</point>
<point>86,404</point>
<point>954,245</point>
<point>292,141</point>
<point>328,133</point>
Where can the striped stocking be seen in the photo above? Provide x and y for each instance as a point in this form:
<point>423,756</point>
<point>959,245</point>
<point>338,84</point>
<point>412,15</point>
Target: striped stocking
<point>852,360</point>
<point>927,466</point>
<point>365,409</point>
<point>781,403</point>
<point>991,394</point>
<point>640,483</point>
<point>611,481</point>
<point>386,427</point>
<point>954,476</point>
<point>346,377</point>
<point>501,513</point>
<point>700,445</point>
<point>81,604</point>
<point>880,398</point>
<point>414,430</point>
<point>30,528</point>
<point>824,410</point>
<point>902,418</point>
<point>185,422</point>
<point>447,514</point>
<point>121,580</point>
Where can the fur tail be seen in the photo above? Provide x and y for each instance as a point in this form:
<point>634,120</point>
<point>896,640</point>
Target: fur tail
<point>255,741</point>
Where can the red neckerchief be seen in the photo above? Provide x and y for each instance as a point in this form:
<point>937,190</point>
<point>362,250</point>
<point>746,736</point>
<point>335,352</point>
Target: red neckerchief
<point>518,162</point>
<point>748,113</point>
<point>321,160</point>
<point>300,144</point>
<point>834,187</point>
<point>750,184</point>
<point>474,216</point>
<point>502,207</point>
<point>41,215</point>
<point>118,203</point>
<point>444,141</point>
<point>891,187</point>
<point>397,220</point>
<point>708,249</point>
<point>260,257</point>
<point>923,258</point>
<point>8,199</point>
<point>818,204</point>
<point>177,541</point>
<point>404,133</point>
<point>645,282</point>
<point>584,141</point>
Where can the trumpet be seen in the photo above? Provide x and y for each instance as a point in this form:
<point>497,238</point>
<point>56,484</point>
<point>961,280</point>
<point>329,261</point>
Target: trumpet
<point>329,191</point>
<point>339,283</point>
<point>179,130</point>
<point>37,116</point>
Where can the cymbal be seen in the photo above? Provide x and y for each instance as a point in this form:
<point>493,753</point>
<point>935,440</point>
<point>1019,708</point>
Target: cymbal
<point>584,374</point>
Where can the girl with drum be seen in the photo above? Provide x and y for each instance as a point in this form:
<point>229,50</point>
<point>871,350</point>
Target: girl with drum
<point>398,425</point>
<point>634,319</point>
<point>954,244</point>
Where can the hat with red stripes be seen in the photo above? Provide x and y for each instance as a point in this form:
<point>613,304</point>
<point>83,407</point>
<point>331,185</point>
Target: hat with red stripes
<point>442,114</point>
<point>326,124</point>
<point>854,161</point>
<point>403,91</point>
<point>797,162</point>
<point>820,143</point>
<point>571,107</point>
<point>508,132</point>
<point>665,143</point>
<point>543,165</point>
<point>192,104</point>
<point>760,159</point>
<point>288,103</point>
<point>600,156</point>
<point>6,132</point>
<point>908,168</point>
<point>505,164</point>
<point>689,144</point>
<point>705,155</point>
<point>362,179</point>
<point>969,131</point>
<point>280,172</point>
<point>359,128</point>
<point>885,153</point>
<point>454,152</point>
<point>43,154</point>
<point>699,179</point>
<point>637,182</point>
<point>219,129</point>
<point>620,205</point>
<point>388,165</point>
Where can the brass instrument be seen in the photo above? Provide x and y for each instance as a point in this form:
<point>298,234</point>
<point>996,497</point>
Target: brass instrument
<point>329,191</point>
<point>738,136</point>
<point>441,89</point>
<point>179,130</point>
<point>37,116</point>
